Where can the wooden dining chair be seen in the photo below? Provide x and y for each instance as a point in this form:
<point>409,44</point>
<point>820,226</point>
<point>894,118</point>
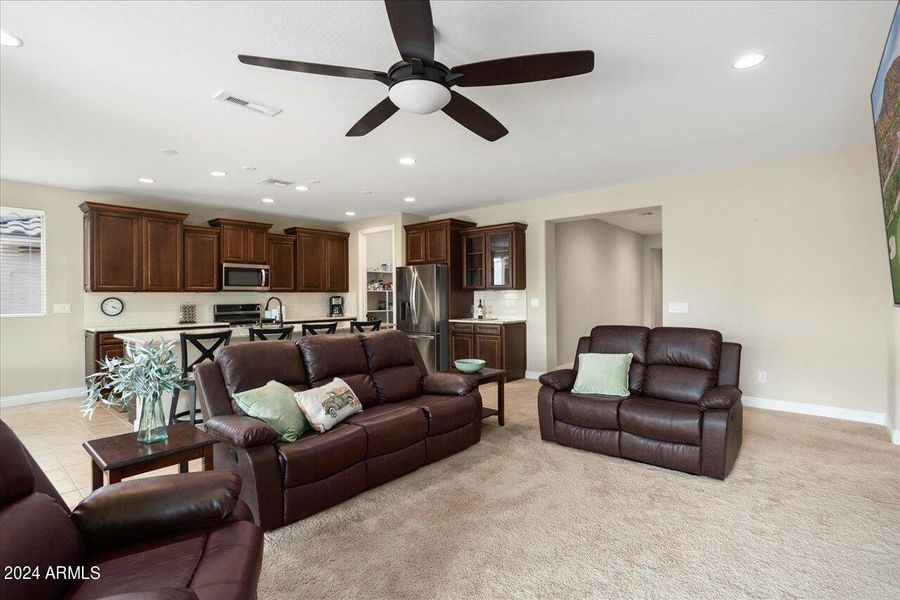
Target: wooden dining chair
<point>317,328</point>
<point>268,333</point>
<point>207,344</point>
<point>362,326</point>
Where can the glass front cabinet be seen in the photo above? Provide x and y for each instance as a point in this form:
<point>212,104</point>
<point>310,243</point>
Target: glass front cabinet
<point>494,257</point>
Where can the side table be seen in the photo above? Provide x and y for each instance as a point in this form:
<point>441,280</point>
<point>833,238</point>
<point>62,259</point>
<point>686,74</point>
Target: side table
<point>122,456</point>
<point>487,375</point>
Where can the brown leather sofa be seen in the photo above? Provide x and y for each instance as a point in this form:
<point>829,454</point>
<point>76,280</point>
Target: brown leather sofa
<point>161,538</point>
<point>409,419</point>
<point>684,411</point>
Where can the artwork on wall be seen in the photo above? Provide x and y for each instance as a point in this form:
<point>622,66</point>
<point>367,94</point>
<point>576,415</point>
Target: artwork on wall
<point>886,112</point>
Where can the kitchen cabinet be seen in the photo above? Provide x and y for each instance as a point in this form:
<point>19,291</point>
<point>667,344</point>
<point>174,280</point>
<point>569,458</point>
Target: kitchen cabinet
<point>282,263</point>
<point>439,242</point>
<point>494,257</point>
<point>242,241</point>
<point>201,259</point>
<point>323,260</point>
<point>501,346</point>
<point>130,249</point>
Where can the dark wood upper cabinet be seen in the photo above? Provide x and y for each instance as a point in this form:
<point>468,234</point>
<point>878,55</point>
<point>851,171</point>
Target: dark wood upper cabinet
<point>437,244</point>
<point>282,263</point>
<point>130,249</point>
<point>243,241</point>
<point>494,257</point>
<point>415,246</point>
<point>322,260</point>
<point>201,259</point>
<point>162,255</point>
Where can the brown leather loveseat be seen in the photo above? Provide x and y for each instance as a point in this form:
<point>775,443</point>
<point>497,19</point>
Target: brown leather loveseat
<point>160,538</point>
<point>409,419</point>
<point>684,411</point>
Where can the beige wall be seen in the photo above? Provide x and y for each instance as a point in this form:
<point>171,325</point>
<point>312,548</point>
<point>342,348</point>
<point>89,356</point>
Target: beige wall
<point>894,379</point>
<point>786,257</point>
<point>652,301</point>
<point>599,280</point>
<point>41,354</point>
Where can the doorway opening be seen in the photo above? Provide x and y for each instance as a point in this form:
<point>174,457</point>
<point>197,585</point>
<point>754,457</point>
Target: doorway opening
<point>609,271</point>
<point>376,276</point>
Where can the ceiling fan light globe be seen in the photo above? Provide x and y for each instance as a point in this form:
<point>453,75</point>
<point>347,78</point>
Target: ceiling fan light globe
<point>419,96</point>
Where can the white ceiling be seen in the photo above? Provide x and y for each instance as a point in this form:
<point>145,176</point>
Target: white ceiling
<point>645,221</point>
<point>100,87</point>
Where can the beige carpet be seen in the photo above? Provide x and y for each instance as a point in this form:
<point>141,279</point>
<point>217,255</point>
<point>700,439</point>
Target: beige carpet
<point>811,510</point>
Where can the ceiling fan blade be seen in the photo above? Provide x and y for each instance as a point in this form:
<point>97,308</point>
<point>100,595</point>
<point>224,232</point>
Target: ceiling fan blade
<point>474,118</point>
<point>372,119</point>
<point>523,69</point>
<point>413,28</point>
<point>314,68</point>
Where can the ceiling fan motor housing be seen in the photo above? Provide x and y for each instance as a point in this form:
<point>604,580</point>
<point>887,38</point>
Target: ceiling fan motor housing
<point>419,88</point>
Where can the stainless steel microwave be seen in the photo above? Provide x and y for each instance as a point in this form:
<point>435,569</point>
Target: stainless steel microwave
<point>239,277</point>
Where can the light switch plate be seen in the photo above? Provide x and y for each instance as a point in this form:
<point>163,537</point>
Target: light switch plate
<point>62,309</point>
<point>678,307</point>
<point>762,376</point>
<point>535,302</point>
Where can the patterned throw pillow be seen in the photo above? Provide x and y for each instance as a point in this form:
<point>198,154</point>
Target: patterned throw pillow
<point>274,404</point>
<point>328,405</point>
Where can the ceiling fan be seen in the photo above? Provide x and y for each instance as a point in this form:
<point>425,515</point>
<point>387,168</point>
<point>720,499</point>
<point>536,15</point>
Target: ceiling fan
<point>420,84</point>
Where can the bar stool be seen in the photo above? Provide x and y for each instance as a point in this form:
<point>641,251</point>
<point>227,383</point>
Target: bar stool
<point>363,326</point>
<point>317,328</point>
<point>207,352</point>
<point>263,333</point>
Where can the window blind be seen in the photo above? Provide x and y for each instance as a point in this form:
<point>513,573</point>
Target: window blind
<point>22,262</point>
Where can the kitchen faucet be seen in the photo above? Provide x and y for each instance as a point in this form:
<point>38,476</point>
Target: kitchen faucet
<point>280,319</point>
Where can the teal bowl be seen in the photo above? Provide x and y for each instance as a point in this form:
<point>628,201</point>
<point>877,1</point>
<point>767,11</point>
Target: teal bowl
<point>469,365</point>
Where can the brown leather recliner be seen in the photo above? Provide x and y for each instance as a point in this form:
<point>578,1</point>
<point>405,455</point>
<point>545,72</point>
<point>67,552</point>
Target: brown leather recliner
<point>409,419</point>
<point>684,411</point>
<point>160,538</point>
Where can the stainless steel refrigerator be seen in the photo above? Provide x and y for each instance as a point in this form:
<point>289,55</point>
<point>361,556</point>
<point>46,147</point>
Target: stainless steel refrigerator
<point>423,309</point>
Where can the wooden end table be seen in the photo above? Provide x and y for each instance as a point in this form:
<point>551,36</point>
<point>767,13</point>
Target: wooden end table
<point>122,456</point>
<point>487,375</point>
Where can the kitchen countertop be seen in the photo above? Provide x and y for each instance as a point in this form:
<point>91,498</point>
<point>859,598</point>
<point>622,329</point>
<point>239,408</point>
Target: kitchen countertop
<point>500,321</point>
<point>239,335</point>
<point>193,326</point>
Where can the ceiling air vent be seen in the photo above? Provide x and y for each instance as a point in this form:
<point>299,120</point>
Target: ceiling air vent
<point>258,107</point>
<point>279,183</point>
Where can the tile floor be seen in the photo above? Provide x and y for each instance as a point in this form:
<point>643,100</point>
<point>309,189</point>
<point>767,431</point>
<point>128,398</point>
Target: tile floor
<point>53,433</point>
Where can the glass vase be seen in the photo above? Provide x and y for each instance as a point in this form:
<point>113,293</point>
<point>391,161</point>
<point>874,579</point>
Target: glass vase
<point>151,421</point>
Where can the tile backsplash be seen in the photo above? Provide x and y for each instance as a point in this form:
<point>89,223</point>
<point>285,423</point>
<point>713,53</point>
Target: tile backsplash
<point>503,304</point>
<point>151,308</point>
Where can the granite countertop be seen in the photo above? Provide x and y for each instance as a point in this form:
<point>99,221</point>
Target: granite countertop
<point>498,321</point>
<point>202,325</point>
<point>239,335</point>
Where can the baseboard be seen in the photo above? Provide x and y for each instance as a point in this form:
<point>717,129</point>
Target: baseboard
<point>847,414</point>
<point>7,401</point>
<point>532,374</point>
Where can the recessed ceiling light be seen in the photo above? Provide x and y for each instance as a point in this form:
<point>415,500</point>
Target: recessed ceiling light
<point>350,213</point>
<point>365,193</point>
<point>301,188</point>
<point>409,199</point>
<point>218,173</point>
<point>249,168</point>
<point>314,181</point>
<point>268,200</point>
<point>407,160</point>
<point>146,180</point>
<point>748,60</point>
<point>169,151</point>
<point>8,39</point>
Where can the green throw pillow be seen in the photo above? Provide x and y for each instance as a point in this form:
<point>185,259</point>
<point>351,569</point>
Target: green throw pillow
<point>274,404</point>
<point>605,374</point>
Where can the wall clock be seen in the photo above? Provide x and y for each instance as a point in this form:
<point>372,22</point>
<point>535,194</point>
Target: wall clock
<point>112,307</point>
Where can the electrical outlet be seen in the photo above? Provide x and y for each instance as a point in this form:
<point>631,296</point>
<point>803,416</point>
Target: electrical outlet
<point>762,376</point>
<point>678,307</point>
<point>535,302</point>
<point>62,309</point>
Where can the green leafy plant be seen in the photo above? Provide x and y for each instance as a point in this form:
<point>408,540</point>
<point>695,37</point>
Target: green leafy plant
<point>146,371</point>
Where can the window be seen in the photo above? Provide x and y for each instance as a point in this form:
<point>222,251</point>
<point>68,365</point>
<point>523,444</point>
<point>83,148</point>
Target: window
<point>23,280</point>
